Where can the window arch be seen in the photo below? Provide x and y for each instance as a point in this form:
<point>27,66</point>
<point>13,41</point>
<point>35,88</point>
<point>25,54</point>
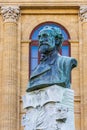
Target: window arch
<point>34,54</point>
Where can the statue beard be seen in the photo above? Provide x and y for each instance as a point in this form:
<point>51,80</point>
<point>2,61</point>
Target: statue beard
<point>43,49</point>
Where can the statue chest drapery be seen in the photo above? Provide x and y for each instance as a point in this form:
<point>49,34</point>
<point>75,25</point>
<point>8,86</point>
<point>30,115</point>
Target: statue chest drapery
<point>56,71</point>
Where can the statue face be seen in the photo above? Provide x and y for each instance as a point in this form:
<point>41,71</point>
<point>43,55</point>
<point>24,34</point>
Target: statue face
<point>46,41</point>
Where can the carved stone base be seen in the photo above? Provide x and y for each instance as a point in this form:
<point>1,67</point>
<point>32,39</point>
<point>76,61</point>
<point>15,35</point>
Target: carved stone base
<point>50,108</point>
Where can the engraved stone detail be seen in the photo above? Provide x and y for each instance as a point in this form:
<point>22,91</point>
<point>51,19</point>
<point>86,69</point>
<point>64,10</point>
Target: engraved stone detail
<point>83,13</point>
<point>10,13</point>
<point>51,108</point>
<point>49,117</point>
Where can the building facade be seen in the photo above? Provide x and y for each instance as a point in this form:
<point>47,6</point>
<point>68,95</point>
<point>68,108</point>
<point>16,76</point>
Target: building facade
<point>18,21</point>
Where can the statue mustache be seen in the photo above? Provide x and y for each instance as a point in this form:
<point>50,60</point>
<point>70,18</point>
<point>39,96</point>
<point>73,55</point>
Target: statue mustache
<point>43,43</point>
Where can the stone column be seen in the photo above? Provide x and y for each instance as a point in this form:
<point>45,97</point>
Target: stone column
<point>8,106</point>
<point>83,61</point>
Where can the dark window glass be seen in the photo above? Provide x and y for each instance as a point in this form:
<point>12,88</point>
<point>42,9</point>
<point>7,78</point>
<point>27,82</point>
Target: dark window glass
<point>34,63</point>
<point>65,50</point>
<point>34,51</point>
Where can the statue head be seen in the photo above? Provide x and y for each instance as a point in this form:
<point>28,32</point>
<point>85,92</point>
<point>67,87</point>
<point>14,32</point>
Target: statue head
<point>50,38</point>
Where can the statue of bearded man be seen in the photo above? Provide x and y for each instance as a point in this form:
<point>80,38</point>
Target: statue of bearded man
<point>53,68</point>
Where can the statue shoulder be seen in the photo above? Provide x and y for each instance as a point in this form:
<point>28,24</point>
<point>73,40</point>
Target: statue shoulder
<point>73,63</point>
<point>70,62</point>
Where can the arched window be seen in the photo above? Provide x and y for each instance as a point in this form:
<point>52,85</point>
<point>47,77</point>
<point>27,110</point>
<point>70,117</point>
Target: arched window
<point>34,54</point>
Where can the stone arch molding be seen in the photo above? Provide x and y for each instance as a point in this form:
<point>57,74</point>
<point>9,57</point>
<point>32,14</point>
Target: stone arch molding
<point>49,21</point>
<point>34,20</point>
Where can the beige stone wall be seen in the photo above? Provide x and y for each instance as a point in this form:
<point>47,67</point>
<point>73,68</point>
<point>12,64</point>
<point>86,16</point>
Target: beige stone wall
<point>1,49</point>
<point>29,22</point>
<point>50,2</point>
<point>68,19</point>
<point>29,19</point>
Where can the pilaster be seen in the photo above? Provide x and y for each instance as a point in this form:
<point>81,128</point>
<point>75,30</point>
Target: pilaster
<point>83,63</point>
<point>8,115</point>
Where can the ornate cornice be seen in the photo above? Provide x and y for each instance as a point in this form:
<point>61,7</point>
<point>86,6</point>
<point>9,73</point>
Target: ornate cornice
<point>83,13</point>
<point>10,13</point>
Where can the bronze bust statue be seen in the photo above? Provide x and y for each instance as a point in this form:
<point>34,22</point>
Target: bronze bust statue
<point>53,68</point>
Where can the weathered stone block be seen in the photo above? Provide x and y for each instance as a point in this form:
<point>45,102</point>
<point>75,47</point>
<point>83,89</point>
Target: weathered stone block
<point>50,108</point>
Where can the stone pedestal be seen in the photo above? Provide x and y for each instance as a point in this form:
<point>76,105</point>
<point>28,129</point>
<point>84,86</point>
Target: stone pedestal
<point>50,108</point>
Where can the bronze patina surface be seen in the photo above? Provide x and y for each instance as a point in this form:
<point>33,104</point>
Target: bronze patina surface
<point>53,68</point>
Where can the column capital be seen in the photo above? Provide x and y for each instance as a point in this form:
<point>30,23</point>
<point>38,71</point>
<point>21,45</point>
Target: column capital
<point>10,13</point>
<point>83,13</point>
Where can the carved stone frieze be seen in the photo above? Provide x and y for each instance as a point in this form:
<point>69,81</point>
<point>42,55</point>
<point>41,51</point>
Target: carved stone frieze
<point>50,108</point>
<point>83,13</point>
<point>49,117</point>
<point>10,13</point>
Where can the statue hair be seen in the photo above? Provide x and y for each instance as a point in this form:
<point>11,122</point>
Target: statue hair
<point>56,32</point>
